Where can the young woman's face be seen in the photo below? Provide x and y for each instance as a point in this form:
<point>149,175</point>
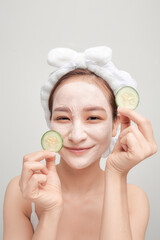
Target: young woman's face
<point>82,115</point>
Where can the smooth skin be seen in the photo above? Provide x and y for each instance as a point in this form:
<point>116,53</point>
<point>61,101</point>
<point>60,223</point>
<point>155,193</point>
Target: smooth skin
<point>135,143</point>
<point>76,199</point>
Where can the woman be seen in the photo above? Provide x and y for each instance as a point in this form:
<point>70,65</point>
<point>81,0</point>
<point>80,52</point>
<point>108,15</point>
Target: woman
<point>76,199</point>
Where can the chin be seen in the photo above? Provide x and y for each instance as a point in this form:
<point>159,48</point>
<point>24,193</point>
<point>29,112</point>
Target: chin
<point>79,162</point>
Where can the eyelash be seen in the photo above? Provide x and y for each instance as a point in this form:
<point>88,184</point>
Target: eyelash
<point>95,117</point>
<point>60,118</point>
<point>64,118</point>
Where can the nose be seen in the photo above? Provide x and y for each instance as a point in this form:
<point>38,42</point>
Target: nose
<point>77,133</point>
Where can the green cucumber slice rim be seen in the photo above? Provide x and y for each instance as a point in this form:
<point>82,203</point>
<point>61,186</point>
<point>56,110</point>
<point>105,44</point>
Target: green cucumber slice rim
<point>128,97</point>
<point>52,141</point>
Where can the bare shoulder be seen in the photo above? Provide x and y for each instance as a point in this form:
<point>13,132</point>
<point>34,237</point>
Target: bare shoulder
<point>13,189</point>
<point>16,213</point>
<point>13,185</point>
<point>136,197</point>
<point>138,204</point>
<point>13,196</point>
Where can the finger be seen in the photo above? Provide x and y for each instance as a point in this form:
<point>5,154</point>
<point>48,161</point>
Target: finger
<point>31,190</point>
<point>133,129</point>
<point>129,141</point>
<point>29,168</point>
<point>38,156</point>
<point>124,147</point>
<point>124,121</point>
<point>50,163</point>
<point>143,124</point>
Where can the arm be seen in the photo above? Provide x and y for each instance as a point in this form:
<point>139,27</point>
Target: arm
<point>115,219</point>
<point>48,226</point>
<point>17,225</point>
<point>124,217</point>
<point>125,210</point>
<point>38,183</point>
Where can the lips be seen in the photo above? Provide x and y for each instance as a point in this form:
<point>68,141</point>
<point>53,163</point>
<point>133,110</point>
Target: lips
<point>78,150</point>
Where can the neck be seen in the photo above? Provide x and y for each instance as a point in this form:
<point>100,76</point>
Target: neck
<point>81,181</point>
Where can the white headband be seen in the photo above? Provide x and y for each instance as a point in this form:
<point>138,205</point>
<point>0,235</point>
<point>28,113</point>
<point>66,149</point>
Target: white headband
<point>96,59</point>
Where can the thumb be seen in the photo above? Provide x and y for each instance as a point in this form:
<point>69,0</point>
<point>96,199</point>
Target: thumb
<point>50,162</point>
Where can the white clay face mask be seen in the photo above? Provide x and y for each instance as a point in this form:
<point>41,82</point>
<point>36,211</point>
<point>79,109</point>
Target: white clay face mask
<point>81,114</point>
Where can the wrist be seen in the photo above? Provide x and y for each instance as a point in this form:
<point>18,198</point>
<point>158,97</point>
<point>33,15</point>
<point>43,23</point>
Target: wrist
<point>53,210</point>
<point>50,216</point>
<point>114,178</point>
<point>115,170</point>
<point>115,181</point>
<point>47,227</point>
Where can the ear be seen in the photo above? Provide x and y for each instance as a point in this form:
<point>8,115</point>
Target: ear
<point>115,126</point>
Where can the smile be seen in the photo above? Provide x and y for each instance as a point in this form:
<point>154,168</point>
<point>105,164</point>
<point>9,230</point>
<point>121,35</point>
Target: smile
<point>78,151</point>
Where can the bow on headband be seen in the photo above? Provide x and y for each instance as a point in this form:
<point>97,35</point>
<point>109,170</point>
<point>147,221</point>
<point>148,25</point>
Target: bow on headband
<point>59,57</point>
<point>96,59</point>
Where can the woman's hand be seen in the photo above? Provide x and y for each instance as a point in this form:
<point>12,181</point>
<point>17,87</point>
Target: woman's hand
<point>40,183</point>
<point>135,143</point>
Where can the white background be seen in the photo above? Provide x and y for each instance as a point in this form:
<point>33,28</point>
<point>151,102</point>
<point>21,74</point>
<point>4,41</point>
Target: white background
<point>29,29</point>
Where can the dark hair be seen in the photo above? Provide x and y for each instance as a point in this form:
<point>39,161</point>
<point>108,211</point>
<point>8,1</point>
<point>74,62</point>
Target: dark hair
<point>96,79</point>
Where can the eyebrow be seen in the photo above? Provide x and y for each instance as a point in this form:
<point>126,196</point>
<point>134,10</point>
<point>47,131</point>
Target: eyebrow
<point>86,109</point>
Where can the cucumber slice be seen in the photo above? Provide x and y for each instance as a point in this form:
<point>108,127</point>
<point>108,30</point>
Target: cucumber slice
<point>52,141</point>
<point>127,97</point>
